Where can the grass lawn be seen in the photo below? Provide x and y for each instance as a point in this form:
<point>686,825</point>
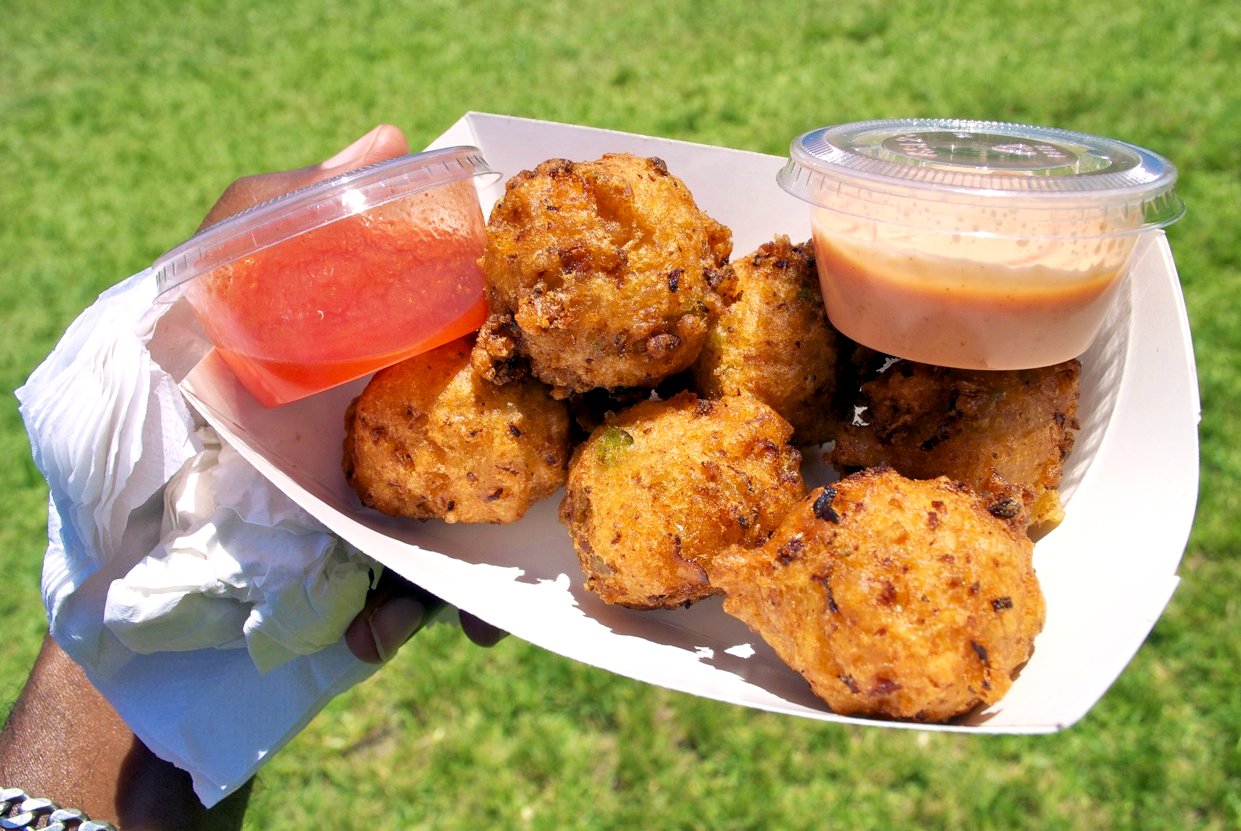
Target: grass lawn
<point>121,122</point>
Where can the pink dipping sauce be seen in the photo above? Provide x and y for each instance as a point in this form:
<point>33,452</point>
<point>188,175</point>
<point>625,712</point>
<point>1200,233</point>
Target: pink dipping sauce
<point>341,279</point>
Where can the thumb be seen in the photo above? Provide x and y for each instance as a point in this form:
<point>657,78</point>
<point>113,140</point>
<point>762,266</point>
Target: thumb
<point>380,144</point>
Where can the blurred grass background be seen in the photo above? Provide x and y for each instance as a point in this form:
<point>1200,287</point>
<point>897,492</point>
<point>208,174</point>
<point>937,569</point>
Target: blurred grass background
<point>120,123</point>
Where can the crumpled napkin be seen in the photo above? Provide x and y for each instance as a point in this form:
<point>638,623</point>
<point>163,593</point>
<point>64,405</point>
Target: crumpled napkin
<point>239,565</point>
<point>109,429</point>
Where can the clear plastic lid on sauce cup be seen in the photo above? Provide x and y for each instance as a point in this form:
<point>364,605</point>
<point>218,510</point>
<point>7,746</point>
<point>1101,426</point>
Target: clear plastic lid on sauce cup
<point>339,279</point>
<point>975,244</point>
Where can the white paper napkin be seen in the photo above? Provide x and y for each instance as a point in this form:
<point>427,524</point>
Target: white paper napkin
<point>109,429</point>
<point>239,565</point>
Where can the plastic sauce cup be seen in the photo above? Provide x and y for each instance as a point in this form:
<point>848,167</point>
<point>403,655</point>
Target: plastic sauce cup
<point>974,244</point>
<point>339,279</point>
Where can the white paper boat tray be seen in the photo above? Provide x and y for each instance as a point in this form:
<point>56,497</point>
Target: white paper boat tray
<point>1107,572</point>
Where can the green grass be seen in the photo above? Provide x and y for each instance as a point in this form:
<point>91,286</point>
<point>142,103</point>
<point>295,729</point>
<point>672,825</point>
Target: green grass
<point>121,122</point>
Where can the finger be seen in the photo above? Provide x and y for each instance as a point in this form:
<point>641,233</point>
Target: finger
<point>393,612</point>
<point>249,191</point>
<point>480,631</point>
<point>380,144</point>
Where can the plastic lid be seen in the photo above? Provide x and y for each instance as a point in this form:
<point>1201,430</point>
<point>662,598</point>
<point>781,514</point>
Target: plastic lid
<point>272,222</point>
<point>979,162</point>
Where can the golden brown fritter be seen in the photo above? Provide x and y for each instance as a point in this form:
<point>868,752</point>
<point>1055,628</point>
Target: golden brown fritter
<point>929,421</point>
<point>892,597</point>
<point>428,438</point>
<point>589,410</point>
<point>599,274</point>
<point>655,492</point>
<point>773,340</point>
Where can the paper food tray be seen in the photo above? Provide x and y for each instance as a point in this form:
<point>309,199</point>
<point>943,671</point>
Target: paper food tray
<point>1107,572</point>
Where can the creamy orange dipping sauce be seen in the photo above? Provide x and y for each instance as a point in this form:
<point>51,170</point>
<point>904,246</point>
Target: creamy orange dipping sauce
<point>970,301</point>
<point>975,244</point>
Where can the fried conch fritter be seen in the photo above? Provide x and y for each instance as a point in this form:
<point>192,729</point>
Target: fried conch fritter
<point>893,597</point>
<point>661,487</point>
<point>599,274</point>
<point>929,421</point>
<point>428,438</point>
<point>773,340</point>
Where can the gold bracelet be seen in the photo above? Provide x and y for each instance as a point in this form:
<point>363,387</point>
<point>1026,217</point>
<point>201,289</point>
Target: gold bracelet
<point>19,809</point>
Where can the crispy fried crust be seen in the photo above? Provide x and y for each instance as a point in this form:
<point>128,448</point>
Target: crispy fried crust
<point>929,421</point>
<point>656,491</point>
<point>773,340</point>
<point>428,438</point>
<point>599,274</point>
<point>892,597</point>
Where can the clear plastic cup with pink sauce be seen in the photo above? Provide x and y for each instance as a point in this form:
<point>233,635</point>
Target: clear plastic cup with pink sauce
<point>974,244</point>
<point>332,282</point>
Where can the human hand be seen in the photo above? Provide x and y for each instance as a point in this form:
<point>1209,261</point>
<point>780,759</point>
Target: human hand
<point>380,144</point>
<point>395,609</point>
